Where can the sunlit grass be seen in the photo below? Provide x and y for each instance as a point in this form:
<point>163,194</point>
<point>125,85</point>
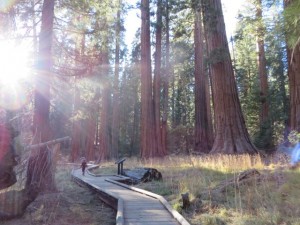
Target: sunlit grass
<point>273,198</point>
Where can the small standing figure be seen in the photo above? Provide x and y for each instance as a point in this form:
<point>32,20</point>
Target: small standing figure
<point>83,166</point>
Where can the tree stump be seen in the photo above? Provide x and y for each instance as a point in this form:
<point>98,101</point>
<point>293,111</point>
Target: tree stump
<point>185,200</point>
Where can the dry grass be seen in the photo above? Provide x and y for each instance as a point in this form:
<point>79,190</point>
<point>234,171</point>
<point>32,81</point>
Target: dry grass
<point>272,199</point>
<point>71,205</point>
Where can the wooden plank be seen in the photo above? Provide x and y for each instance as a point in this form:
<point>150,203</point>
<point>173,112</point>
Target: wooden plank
<point>138,207</point>
<point>147,219</point>
<point>148,223</point>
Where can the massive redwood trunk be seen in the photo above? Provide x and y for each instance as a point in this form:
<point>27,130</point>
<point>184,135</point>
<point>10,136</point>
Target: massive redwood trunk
<point>201,118</point>
<point>294,82</point>
<point>148,140</point>
<point>231,133</point>
<point>39,170</point>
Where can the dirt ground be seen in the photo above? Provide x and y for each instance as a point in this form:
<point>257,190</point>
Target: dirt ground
<point>70,205</point>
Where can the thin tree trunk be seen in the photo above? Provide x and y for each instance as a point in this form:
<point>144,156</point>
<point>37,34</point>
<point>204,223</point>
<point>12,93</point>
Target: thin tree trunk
<point>231,133</point>
<point>262,65</point>
<point>210,129</point>
<point>157,79</point>
<point>148,140</point>
<point>116,95</point>
<point>77,130</point>
<point>76,126</point>
<point>164,125</point>
<point>105,144</point>
<point>201,143</point>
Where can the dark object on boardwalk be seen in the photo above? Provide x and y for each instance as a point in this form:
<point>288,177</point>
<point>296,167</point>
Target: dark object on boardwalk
<point>83,166</point>
<point>7,156</point>
<point>143,174</point>
<point>120,166</point>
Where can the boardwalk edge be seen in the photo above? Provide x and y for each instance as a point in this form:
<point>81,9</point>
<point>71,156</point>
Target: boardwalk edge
<point>163,201</point>
<point>118,204</point>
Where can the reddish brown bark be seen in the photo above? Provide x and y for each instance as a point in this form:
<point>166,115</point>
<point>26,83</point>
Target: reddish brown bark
<point>164,124</point>
<point>157,79</point>
<point>201,119</point>
<point>148,140</point>
<point>116,95</point>
<point>210,129</point>
<point>39,170</point>
<point>104,138</point>
<point>294,82</point>
<point>76,127</point>
<point>91,134</point>
<point>231,133</point>
<point>262,65</point>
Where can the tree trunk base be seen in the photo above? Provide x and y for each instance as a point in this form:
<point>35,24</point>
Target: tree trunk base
<point>13,203</point>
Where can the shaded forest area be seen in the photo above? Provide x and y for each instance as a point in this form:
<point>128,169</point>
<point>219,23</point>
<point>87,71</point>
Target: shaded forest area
<point>179,88</point>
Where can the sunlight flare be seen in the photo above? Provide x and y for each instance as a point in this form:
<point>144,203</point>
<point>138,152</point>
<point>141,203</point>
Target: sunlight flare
<point>5,5</point>
<point>14,73</point>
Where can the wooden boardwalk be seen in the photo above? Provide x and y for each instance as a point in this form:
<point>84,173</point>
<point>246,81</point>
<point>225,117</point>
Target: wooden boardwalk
<point>134,206</point>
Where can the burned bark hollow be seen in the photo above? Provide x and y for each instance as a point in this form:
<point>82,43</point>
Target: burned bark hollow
<point>7,157</point>
<point>143,174</point>
<point>14,203</point>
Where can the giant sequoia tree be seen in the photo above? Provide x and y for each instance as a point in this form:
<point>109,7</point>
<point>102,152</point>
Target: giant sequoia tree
<point>148,139</point>
<point>231,133</point>
<point>201,117</point>
<point>292,23</point>
<point>39,167</point>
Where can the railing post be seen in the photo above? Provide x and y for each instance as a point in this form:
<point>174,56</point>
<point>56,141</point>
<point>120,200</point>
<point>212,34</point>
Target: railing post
<point>120,166</point>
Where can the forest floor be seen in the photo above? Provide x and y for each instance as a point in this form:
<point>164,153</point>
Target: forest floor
<point>267,194</point>
<point>70,205</point>
<point>269,197</point>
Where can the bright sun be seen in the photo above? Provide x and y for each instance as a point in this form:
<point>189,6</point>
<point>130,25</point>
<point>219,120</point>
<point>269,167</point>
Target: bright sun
<point>14,63</point>
<point>15,72</point>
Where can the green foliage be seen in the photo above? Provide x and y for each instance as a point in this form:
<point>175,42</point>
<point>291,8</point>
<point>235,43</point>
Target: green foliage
<point>294,137</point>
<point>292,22</point>
<point>247,74</point>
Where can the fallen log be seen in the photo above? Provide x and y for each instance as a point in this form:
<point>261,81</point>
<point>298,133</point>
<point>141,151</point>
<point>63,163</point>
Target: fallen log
<point>143,174</point>
<point>218,193</point>
<point>36,146</point>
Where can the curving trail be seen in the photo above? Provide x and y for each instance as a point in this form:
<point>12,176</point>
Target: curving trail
<point>134,206</point>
